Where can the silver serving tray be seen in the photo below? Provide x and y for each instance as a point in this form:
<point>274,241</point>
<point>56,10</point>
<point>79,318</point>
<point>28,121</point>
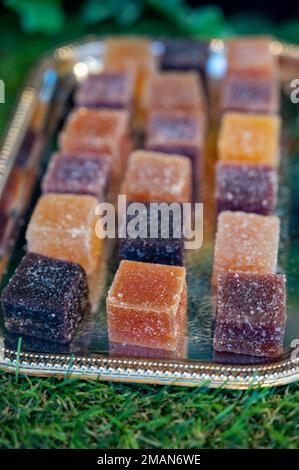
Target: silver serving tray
<point>30,137</point>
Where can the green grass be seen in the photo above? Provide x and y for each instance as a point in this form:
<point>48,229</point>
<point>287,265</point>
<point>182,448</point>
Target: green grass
<point>53,413</point>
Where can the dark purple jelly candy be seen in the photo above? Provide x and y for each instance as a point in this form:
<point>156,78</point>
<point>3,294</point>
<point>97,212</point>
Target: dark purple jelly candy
<point>45,298</point>
<point>251,314</point>
<point>185,54</point>
<point>113,90</point>
<point>252,94</point>
<point>84,174</point>
<point>160,249</point>
<point>247,188</point>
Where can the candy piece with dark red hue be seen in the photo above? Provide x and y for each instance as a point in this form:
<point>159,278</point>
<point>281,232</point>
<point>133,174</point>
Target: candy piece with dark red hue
<point>251,314</point>
<point>247,188</point>
<point>75,174</point>
<point>162,250</point>
<point>185,54</point>
<point>113,90</point>
<point>178,132</point>
<point>45,298</point>
<point>250,94</point>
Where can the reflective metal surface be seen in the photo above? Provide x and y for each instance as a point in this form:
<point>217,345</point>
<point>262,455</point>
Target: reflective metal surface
<point>30,138</point>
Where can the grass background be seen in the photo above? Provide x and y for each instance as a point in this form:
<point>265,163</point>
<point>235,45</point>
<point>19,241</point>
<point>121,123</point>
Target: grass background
<point>54,413</point>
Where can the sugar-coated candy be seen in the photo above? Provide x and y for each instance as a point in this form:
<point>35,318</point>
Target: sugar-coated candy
<point>146,304</point>
<point>176,91</point>
<point>45,298</point>
<point>250,94</point>
<point>177,132</point>
<point>63,226</point>
<point>157,177</point>
<point>251,314</point>
<point>184,54</point>
<point>251,55</point>
<point>133,55</point>
<point>245,242</point>
<point>247,188</point>
<point>160,250</point>
<point>113,90</point>
<point>78,174</point>
<point>249,138</point>
<point>130,350</point>
<point>97,131</point>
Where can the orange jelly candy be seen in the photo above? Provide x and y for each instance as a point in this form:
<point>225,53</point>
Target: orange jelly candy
<point>157,177</point>
<point>97,131</point>
<point>175,91</point>
<point>250,54</point>
<point>249,138</point>
<point>63,226</point>
<point>245,242</point>
<point>146,304</point>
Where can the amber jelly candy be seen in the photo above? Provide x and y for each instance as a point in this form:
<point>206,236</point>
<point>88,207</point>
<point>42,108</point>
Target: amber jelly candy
<point>146,304</point>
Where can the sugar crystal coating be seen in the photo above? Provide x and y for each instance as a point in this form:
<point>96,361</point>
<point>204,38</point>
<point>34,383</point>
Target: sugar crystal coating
<point>251,54</point>
<point>133,55</point>
<point>247,188</point>
<point>106,90</point>
<point>63,226</point>
<point>251,314</point>
<point>45,298</point>
<point>175,91</point>
<point>145,305</point>
<point>154,176</point>
<point>250,94</point>
<point>249,138</point>
<point>97,131</point>
<point>160,249</point>
<point>75,174</point>
<point>245,242</point>
<point>178,132</point>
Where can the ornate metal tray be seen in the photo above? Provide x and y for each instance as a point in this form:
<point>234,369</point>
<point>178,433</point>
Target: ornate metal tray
<point>31,136</point>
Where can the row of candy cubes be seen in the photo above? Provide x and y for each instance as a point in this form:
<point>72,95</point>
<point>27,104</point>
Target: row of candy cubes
<point>94,146</point>
<point>251,298</point>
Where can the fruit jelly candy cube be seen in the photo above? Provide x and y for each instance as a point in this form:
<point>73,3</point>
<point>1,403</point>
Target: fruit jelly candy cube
<point>251,314</point>
<point>45,298</point>
<point>184,54</point>
<point>245,242</point>
<point>146,304</point>
<point>96,131</point>
<point>250,54</point>
<point>106,90</point>
<point>248,188</point>
<point>129,350</point>
<point>178,132</point>
<point>159,250</point>
<point>249,138</point>
<point>250,94</point>
<point>132,54</point>
<point>86,174</point>
<point>157,177</point>
<point>175,90</point>
<point>63,226</point>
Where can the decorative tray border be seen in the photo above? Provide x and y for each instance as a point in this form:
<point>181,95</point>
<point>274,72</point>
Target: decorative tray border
<point>99,367</point>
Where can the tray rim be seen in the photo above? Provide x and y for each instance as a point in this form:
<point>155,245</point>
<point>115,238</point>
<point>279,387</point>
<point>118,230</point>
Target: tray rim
<point>97,366</point>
